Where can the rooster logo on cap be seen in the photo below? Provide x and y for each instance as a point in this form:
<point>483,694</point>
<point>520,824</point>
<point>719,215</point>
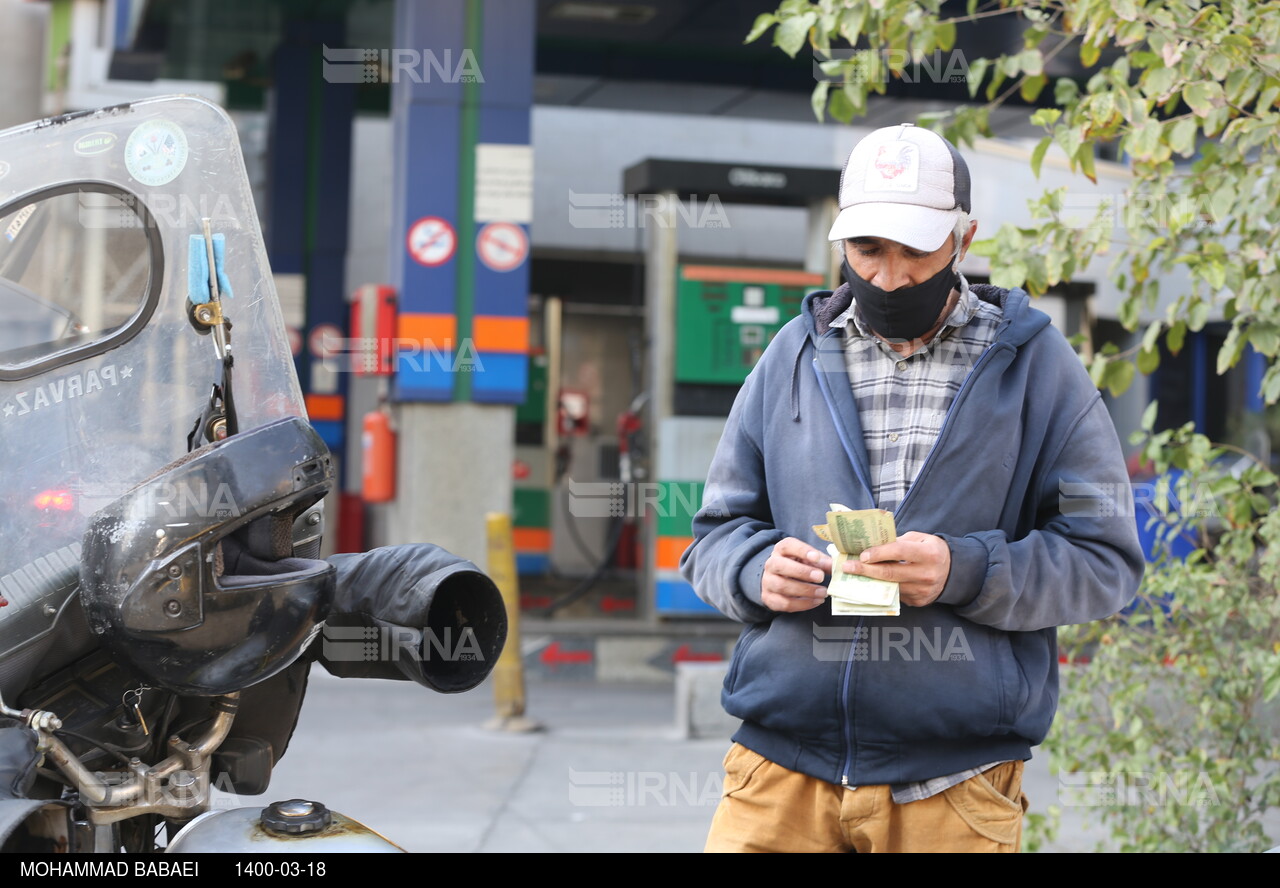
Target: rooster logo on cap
<point>891,160</point>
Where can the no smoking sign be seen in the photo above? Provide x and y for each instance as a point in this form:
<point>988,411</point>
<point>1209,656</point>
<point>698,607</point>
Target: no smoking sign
<point>502,246</point>
<point>431,241</point>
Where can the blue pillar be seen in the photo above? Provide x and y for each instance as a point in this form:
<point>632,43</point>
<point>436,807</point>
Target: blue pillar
<point>309,192</point>
<point>462,80</point>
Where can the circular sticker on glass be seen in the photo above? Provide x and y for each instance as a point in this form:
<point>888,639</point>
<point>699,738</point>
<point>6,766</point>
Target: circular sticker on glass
<point>156,152</point>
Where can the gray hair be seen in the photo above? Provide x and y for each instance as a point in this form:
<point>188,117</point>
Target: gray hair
<point>958,232</point>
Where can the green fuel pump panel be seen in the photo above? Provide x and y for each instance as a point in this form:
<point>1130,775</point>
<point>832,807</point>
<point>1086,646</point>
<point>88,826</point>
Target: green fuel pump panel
<point>725,316</point>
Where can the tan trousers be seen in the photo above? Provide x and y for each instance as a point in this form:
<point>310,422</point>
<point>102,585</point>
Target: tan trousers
<point>768,808</point>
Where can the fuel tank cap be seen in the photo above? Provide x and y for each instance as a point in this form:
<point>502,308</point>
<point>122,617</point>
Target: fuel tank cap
<point>295,817</point>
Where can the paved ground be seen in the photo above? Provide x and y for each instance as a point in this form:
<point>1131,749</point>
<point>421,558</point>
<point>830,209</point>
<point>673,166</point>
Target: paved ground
<point>608,772</point>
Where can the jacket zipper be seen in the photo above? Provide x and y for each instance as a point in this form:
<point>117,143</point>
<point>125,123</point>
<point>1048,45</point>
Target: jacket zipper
<point>845,727</point>
<point>846,683</point>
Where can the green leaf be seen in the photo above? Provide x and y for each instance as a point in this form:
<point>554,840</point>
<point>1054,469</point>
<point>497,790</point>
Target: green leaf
<point>1152,335</point>
<point>1219,65</point>
<point>792,32</point>
<point>1271,385</point>
<point>1129,313</point>
<point>1198,315</point>
<point>1065,91</point>
<point>1149,416</point>
<point>818,101</point>
<point>1143,140</point>
<point>1199,97</point>
<point>764,21</point>
<point>1182,136</point>
<point>1012,274</point>
<point>1222,202</point>
<point>1037,155</point>
<point>1271,684</point>
<point>977,70</point>
<point>1158,82</point>
<point>1119,377</point>
<point>1031,61</point>
<point>1148,361</point>
<point>1130,33</point>
<point>842,107</point>
<point>1031,87</point>
<point>1215,275</point>
<point>998,77</point>
<point>1264,338</point>
<point>1268,97</point>
<point>1084,157</point>
<point>1176,336</point>
<point>1046,117</point>
<point>852,22</point>
<point>1229,351</point>
<point>1098,370</point>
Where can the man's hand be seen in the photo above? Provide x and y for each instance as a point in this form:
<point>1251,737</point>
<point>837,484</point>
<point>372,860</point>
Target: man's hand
<point>793,577</point>
<point>918,562</point>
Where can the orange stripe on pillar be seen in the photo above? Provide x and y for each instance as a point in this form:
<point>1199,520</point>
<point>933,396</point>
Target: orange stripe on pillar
<point>668,551</point>
<point>501,334</point>
<point>436,331</point>
<point>531,539</point>
<point>324,406</point>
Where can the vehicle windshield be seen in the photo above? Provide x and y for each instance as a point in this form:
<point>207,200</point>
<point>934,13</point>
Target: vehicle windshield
<point>103,374</point>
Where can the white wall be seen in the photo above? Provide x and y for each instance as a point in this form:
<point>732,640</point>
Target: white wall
<point>22,69</point>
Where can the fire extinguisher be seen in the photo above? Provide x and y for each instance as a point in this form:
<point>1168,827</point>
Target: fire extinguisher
<point>378,446</point>
<point>630,424</point>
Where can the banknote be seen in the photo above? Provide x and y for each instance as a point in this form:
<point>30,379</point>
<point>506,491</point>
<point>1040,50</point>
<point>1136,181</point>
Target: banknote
<point>849,532</point>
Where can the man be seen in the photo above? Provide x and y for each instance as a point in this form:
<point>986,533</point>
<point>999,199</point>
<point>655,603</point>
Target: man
<point>967,415</point>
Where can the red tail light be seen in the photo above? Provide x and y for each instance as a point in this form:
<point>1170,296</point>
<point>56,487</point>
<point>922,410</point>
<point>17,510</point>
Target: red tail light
<point>59,500</point>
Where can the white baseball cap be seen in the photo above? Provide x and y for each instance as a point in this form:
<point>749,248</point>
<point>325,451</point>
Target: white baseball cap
<point>903,183</point>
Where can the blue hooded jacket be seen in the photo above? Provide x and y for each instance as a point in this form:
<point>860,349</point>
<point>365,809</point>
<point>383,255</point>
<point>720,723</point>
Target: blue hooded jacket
<point>1027,486</point>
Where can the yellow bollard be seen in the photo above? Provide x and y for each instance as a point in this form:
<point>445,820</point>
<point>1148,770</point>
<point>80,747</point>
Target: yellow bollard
<point>508,673</point>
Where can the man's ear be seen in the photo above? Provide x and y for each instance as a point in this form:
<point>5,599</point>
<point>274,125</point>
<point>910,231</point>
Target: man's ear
<point>968,238</point>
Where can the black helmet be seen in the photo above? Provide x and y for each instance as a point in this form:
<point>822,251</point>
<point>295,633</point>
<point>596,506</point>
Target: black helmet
<point>190,577</point>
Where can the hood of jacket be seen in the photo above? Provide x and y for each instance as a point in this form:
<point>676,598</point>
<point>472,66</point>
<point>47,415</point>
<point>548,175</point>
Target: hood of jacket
<point>821,307</point>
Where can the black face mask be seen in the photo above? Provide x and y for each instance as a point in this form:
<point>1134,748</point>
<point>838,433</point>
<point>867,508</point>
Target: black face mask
<point>906,313</point>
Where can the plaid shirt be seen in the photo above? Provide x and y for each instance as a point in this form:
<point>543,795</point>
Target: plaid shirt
<point>902,403</point>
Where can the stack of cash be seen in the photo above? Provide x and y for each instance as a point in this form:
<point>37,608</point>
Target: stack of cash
<point>849,532</point>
